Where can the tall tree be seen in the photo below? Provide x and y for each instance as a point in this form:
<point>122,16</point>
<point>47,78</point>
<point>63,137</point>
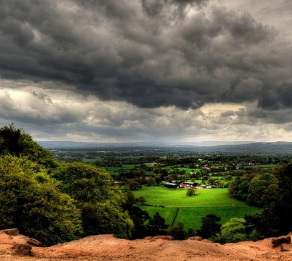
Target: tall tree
<point>261,189</point>
<point>100,202</point>
<point>233,231</point>
<point>140,217</point>
<point>32,202</point>
<point>210,226</point>
<point>177,231</point>
<point>15,142</point>
<point>277,213</point>
<point>156,225</point>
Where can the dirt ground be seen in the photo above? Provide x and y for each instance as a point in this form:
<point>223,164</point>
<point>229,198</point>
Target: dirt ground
<point>106,247</point>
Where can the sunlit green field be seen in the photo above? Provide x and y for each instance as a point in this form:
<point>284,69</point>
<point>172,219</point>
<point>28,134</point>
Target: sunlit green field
<point>187,170</point>
<point>192,209</point>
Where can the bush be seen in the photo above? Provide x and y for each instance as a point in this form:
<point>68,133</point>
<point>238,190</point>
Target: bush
<point>190,192</point>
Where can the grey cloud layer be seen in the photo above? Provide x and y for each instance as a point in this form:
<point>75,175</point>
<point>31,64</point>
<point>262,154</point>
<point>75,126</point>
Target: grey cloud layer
<point>150,53</point>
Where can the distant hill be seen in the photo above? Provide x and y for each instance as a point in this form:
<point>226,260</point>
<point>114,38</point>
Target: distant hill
<point>78,145</point>
<point>259,148</point>
<point>244,147</point>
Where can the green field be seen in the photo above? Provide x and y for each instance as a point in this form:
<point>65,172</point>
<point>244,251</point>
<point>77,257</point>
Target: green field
<point>187,170</point>
<point>192,209</point>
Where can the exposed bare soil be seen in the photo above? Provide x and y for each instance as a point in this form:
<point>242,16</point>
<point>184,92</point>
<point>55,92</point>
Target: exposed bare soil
<point>106,247</point>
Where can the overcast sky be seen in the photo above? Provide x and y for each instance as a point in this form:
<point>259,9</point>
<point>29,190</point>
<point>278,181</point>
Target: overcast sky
<point>146,70</point>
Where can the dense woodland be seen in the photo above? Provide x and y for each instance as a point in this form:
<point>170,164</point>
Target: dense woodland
<point>57,200</point>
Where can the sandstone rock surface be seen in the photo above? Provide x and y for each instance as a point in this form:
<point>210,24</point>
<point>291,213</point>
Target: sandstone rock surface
<point>107,247</point>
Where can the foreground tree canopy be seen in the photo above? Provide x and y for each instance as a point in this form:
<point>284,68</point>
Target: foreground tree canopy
<point>31,201</point>
<point>100,203</point>
<point>55,202</point>
<point>15,142</point>
<point>273,192</point>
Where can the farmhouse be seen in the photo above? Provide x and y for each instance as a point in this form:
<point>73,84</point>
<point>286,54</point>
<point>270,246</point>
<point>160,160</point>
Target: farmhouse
<point>188,184</point>
<point>150,164</point>
<point>170,185</point>
<point>211,186</point>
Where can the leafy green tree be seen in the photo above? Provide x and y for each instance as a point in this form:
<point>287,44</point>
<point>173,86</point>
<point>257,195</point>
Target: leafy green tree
<point>178,232</point>
<point>38,209</point>
<point>158,179</point>
<point>219,183</point>
<point>100,202</point>
<point>49,215</point>
<point>138,216</point>
<point>233,231</point>
<point>212,181</point>
<point>254,226</point>
<point>129,199</point>
<point>238,187</point>
<point>15,142</point>
<point>156,225</point>
<point>190,192</point>
<point>261,189</point>
<point>141,200</point>
<point>106,218</point>
<point>205,179</point>
<point>233,187</point>
<point>210,226</point>
<point>273,192</point>
<point>270,195</point>
<point>276,217</point>
<point>191,232</point>
<point>228,177</point>
<point>134,184</point>
<point>151,182</point>
<point>86,183</point>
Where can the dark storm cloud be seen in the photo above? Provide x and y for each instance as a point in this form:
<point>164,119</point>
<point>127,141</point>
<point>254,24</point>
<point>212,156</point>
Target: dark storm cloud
<point>148,53</point>
<point>155,7</point>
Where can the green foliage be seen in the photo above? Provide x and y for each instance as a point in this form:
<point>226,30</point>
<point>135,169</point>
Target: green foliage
<point>138,216</point>
<point>191,232</point>
<point>38,209</point>
<point>141,200</point>
<point>100,202</point>
<point>254,226</point>
<point>106,218</point>
<point>15,142</point>
<point>129,199</point>
<point>276,217</point>
<point>238,188</point>
<point>233,231</point>
<point>178,232</point>
<point>274,192</point>
<point>210,226</point>
<point>151,182</point>
<point>262,189</point>
<point>12,140</point>
<point>156,225</point>
<point>49,215</point>
<point>256,189</point>
<point>190,192</point>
